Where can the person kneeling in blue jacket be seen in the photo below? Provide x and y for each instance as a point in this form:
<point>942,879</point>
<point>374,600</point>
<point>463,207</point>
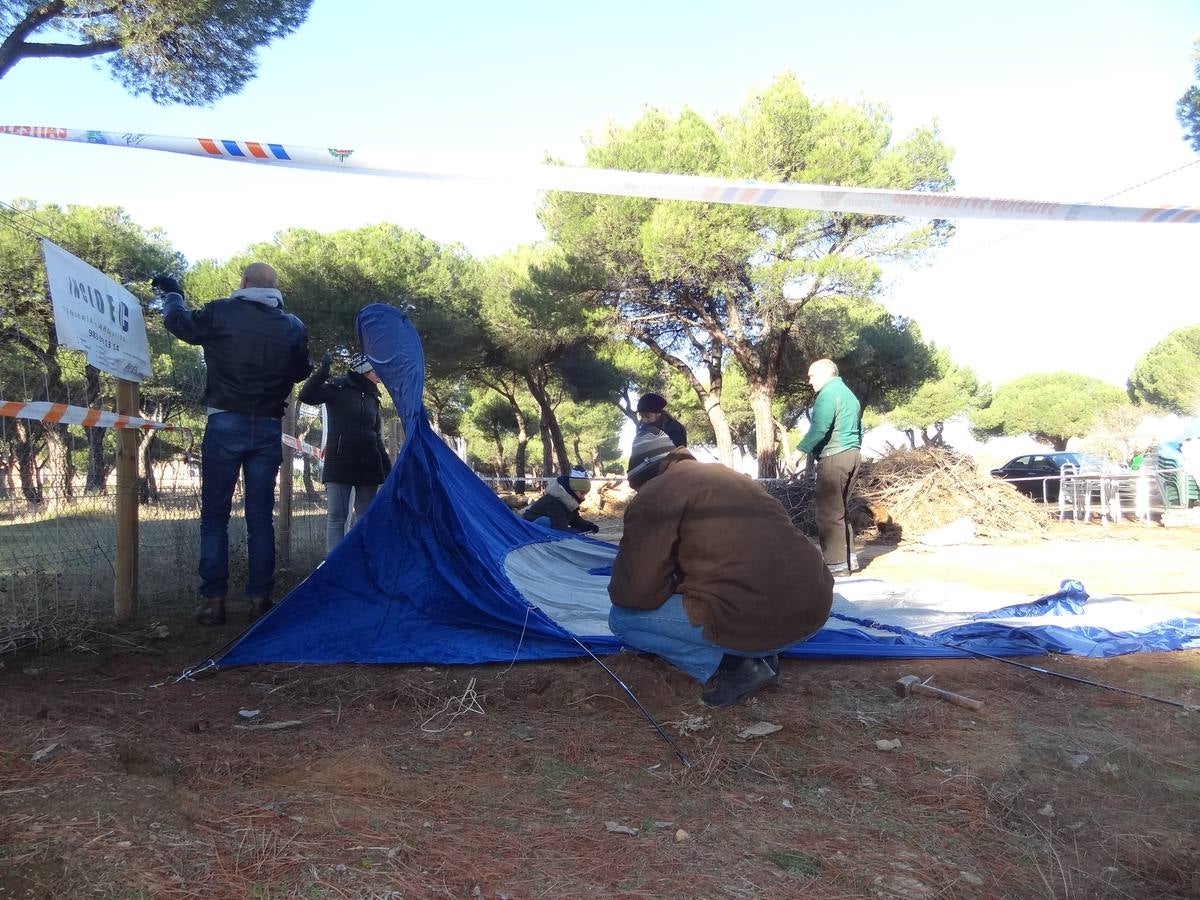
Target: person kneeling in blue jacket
<point>558,507</point>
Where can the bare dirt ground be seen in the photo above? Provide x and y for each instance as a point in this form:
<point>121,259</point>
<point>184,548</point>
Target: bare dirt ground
<point>391,786</point>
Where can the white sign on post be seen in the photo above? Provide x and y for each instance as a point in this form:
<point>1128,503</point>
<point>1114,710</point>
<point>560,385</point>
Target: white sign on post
<point>94,314</point>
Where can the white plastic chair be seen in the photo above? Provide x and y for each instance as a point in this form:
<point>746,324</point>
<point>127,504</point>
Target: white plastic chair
<point>1068,491</point>
<point>1091,486</point>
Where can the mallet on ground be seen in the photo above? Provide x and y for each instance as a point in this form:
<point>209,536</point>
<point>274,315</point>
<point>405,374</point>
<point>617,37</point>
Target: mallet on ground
<point>911,684</point>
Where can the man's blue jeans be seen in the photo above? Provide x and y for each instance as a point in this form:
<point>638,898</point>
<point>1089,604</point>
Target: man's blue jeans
<point>666,632</point>
<point>238,443</point>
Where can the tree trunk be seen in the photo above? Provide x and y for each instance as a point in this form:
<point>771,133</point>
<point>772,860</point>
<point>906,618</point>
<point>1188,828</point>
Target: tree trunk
<point>26,452</point>
<point>97,471</point>
<point>62,467</point>
<point>522,449</point>
<point>711,400</point>
<point>37,475</point>
<point>597,463</point>
<point>550,424</point>
<point>521,463</point>
<point>10,465</point>
<point>720,426</point>
<point>764,432</point>
<point>547,446</point>
<point>148,483</point>
<point>500,462</point>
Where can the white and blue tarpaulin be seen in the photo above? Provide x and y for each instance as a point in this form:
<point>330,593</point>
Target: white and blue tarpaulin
<point>439,570</point>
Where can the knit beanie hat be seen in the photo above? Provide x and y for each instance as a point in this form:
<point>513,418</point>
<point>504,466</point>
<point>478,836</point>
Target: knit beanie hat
<point>650,445</point>
<point>577,482</point>
<point>652,403</point>
<point>360,364</point>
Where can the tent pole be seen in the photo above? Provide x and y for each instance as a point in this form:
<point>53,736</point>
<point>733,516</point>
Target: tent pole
<point>687,763</point>
<point>870,623</point>
<point>1075,678</point>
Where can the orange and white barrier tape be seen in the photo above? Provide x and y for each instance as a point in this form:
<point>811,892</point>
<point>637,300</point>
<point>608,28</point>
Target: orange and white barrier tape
<point>303,447</point>
<point>789,195</point>
<point>61,413</point>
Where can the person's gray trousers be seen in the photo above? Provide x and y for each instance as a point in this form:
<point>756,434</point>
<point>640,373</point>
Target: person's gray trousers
<point>337,496</point>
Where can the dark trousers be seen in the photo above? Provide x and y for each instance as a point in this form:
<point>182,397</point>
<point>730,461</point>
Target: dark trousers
<point>835,478</point>
<point>238,444</point>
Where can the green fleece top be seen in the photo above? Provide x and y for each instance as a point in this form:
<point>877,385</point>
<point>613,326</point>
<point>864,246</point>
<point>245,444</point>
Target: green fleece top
<point>836,421</point>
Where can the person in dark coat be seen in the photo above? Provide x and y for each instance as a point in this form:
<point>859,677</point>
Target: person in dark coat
<point>711,574</point>
<point>355,458</point>
<point>652,411</point>
<point>254,351</point>
<point>558,507</point>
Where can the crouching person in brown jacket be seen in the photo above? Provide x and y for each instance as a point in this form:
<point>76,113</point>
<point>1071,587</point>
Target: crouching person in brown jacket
<point>711,574</point>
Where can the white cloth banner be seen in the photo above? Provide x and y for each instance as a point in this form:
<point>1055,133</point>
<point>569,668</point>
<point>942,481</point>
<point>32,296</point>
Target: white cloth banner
<point>94,314</point>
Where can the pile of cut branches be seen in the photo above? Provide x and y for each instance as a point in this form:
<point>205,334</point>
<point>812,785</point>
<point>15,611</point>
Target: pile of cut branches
<point>913,492</point>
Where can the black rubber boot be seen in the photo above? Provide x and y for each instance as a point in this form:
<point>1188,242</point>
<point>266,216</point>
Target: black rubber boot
<point>258,607</point>
<point>211,611</point>
<point>734,685</point>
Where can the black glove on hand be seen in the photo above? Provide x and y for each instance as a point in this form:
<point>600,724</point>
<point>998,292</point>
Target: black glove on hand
<point>327,360</point>
<point>166,284</point>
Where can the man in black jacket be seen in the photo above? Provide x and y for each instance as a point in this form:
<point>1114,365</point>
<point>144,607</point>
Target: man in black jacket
<point>355,458</point>
<point>254,352</point>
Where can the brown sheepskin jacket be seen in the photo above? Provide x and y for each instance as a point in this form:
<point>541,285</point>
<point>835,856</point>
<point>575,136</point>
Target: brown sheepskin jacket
<point>747,576</point>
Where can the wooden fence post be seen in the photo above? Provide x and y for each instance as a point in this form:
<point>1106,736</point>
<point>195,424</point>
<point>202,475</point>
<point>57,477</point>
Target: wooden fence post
<point>286,482</point>
<point>125,584</point>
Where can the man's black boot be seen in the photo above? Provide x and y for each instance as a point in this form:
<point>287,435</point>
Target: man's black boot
<point>259,607</point>
<point>736,684</point>
<point>211,611</point>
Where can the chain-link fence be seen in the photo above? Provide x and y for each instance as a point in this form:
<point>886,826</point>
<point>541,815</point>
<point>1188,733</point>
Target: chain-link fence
<point>57,557</point>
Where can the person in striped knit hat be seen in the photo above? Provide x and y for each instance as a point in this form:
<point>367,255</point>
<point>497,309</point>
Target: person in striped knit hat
<point>711,574</point>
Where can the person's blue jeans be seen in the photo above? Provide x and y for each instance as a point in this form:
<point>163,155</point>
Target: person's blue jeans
<point>238,443</point>
<point>666,632</point>
<point>337,499</point>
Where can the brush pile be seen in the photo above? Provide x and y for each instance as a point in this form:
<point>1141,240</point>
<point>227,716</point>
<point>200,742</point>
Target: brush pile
<point>913,492</point>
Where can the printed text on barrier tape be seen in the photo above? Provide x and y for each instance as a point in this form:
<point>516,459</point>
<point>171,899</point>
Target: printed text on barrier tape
<point>790,195</point>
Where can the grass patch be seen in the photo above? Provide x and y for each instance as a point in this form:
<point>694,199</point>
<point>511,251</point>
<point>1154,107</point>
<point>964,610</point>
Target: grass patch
<point>554,773</point>
<point>794,862</point>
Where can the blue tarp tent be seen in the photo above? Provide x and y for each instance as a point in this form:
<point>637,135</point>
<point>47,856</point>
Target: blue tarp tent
<point>439,570</point>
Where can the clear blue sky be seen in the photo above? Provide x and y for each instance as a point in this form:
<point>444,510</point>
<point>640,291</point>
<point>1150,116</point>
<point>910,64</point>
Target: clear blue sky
<point>1048,100</point>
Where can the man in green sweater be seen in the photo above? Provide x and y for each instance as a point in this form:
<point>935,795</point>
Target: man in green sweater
<point>834,439</point>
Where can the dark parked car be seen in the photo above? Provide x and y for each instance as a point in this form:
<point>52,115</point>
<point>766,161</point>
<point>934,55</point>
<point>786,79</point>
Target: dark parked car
<point>1036,474</point>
